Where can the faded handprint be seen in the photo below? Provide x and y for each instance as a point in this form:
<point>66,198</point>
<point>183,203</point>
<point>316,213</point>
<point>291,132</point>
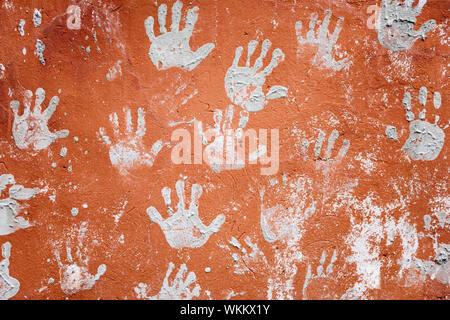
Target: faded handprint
<point>30,130</point>
<point>184,228</point>
<point>178,290</point>
<point>246,260</point>
<point>396,24</point>
<point>10,208</point>
<point>330,147</point>
<point>75,276</point>
<point>425,140</point>
<point>171,48</point>
<point>244,84</point>
<point>324,40</point>
<point>8,285</point>
<point>320,272</point>
<point>227,150</point>
<point>128,149</point>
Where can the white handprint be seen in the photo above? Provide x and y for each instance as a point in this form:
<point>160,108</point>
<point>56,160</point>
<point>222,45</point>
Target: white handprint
<point>8,285</point>
<point>227,150</point>
<point>425,140</point>
<point>178,290</point>
<point>320,272</point>
<point>184,227</point>
<point>172,49</point>
<point>31,128</point>
<point>129,149</point>
<point>244,84</point>
<point>74,277</point>
<point>324,40</point>
<point>396,24</point>
<point>246,261</point>
<point>330,147</point>
<point>10,208</point>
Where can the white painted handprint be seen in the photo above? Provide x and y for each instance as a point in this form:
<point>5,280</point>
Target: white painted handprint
<point>330,147</point>
<point>396,24</point>
<point>244,84</point>
<point>178,290</point>
<point>74,276</point>
<point>184,228</point>
<point>171,48</point>
<point>8,285</point>
<point>10,208</point>
<point>128,150</point>
<point>227,150</point>
<point>247,257</point>
<point>425,140</point>
<point>324,40</point>
<point>30,130</point>
<point>320,271</point>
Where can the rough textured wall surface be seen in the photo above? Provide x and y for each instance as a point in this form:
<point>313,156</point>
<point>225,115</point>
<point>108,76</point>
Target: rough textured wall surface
<point>119,119</point>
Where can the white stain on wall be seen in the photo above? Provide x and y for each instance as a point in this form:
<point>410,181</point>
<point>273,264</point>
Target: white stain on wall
<point>8,285</point>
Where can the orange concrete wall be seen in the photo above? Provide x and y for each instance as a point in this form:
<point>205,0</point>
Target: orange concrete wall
<point>114,118</point>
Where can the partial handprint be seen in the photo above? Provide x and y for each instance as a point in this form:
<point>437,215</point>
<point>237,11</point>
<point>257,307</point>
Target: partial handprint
<point>246,261</point>
<point>425,140</point>
<point>8,285</point>
<point>184,228</point>
<point>30,130</point>
<point>396,24</point>
<point>330,147</point>
<point>128,149</point>
<point>227,150</point>
<point>74,276</point>
<point>10,208</point>
<point>178,290</point>
<point>172,49</point>
<point>324,40</point>
<point>319,274</point>
<point>244,84</point>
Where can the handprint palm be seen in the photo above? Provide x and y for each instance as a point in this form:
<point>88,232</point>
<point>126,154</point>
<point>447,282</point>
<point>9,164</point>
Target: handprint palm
<point>31,128</point>
<point>184,227</point>
<point>244,84</point>
<point>172,49</point>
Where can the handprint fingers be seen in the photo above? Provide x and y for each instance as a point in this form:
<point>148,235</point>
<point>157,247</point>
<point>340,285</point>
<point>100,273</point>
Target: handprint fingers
<point>40,97</point>
<point>250,50</point>
<point>264,49</point>
<point>114,120</point>
<point>200,55</point>
<point>62,134</point>
<point>311,35</point>
<point>196,193</point>
<point>277,57</point>
<point>176,16</point>
<point>149,28</point>
<point>191,20</point>
<point>128,120</point>
<point>141,123</point>
<point>6,250</point>
<point>323,29</point>
<point>237,56</point>
<point>48,113</point>
<point>166,194</point>
<point>179,187</point>
<point>337,30</point>
<point>15,108</point>
<point>277,92</point>
<point>154,215</point>
<point>162,13</point>
<point>178,281</point>
<point>27,102</point>
<point>298,31</point>
<point>425,28</point>
<point>331,140</point>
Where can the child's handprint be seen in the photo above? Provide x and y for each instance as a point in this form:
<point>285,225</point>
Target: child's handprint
<point>244,84</point>
<point>171,48</point>
<point>30,130</point>
<point>128,149</point>
<point>184,227</point>
<point>178,290</point>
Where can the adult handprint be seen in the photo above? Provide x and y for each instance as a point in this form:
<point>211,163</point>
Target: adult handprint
<point>244,84</point>
<point>184,228</point>
<point>31,128</point>
<point>171,48</point>
<point>396,24</point>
